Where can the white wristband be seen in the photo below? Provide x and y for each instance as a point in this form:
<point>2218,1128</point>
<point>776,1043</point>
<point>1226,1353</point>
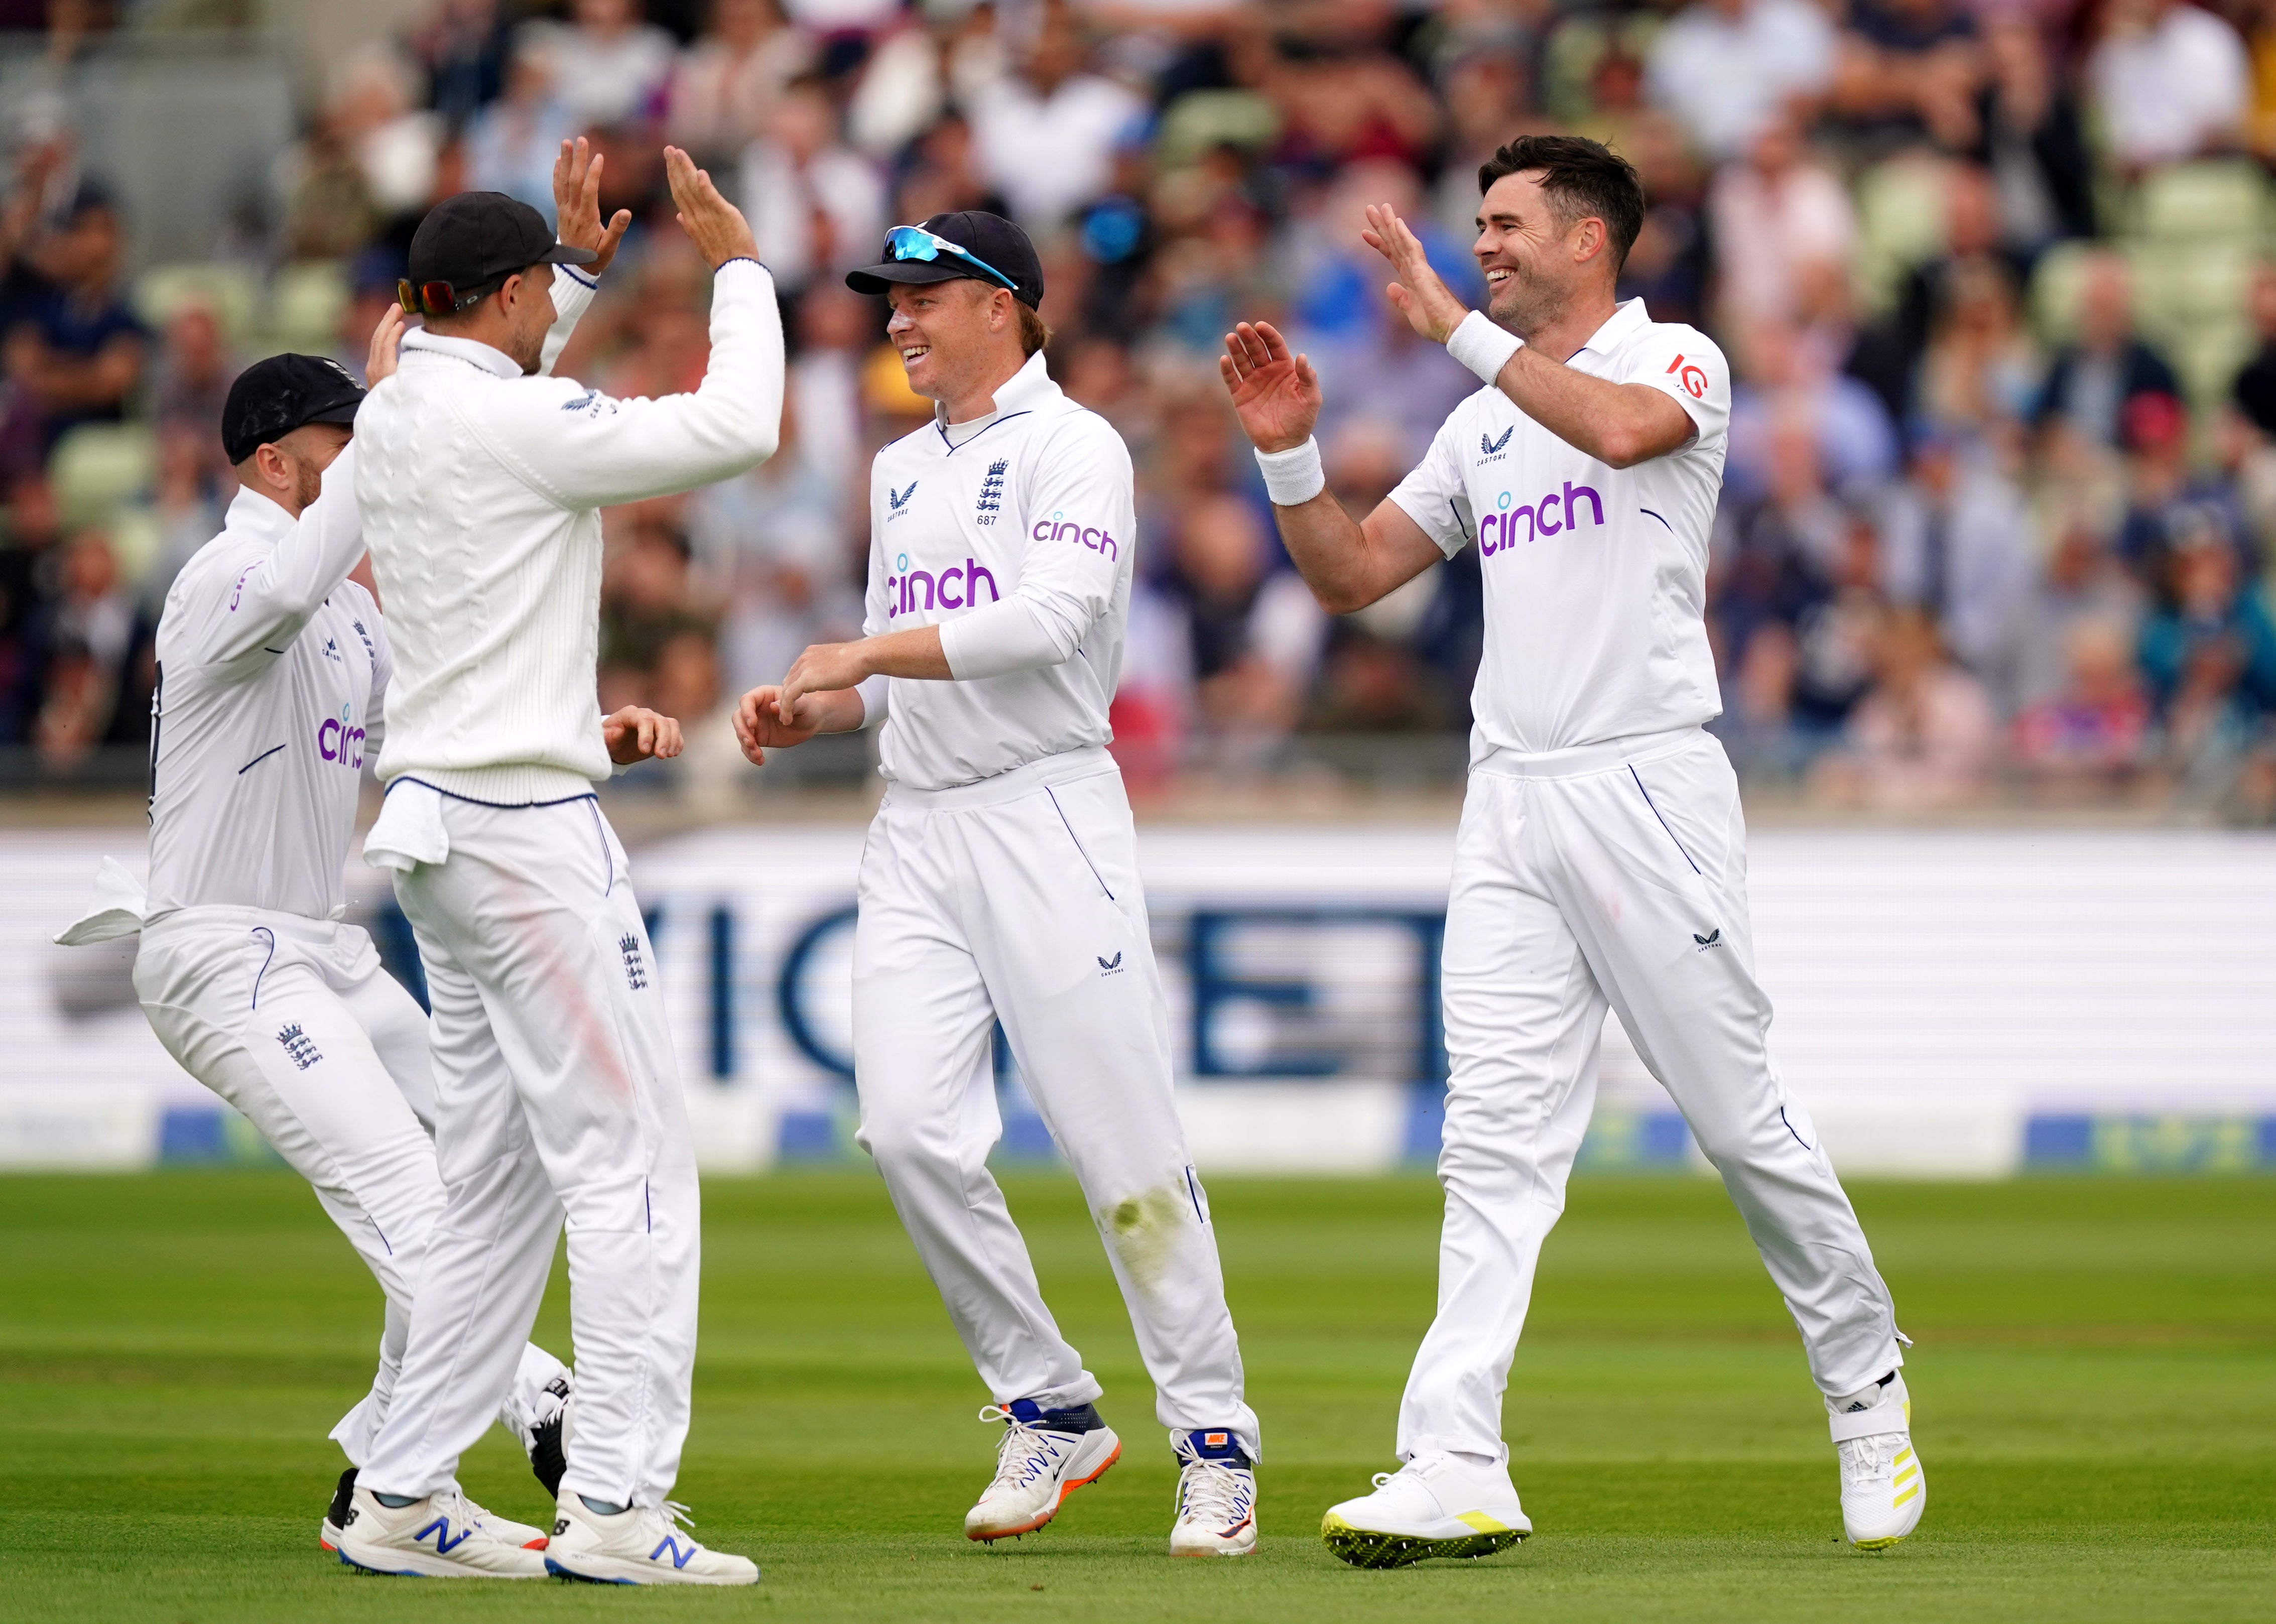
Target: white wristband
<point>1294,476</point>
<point>1483,347</point>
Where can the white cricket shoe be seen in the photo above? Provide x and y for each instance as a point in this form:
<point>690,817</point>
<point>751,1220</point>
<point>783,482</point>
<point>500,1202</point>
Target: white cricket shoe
<point>444,1536</point>
<point>1883,1490</point>
<point>1217,1496</point>
<point>1438,1505</point>
<point>1045,1456</point>
<point>638,1546</point>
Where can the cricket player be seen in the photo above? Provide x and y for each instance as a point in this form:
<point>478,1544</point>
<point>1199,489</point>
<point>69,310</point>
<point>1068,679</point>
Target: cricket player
<point>1601,860</point>
<point>1000,882</point>
<point>557,1095</point>
<point>272,665</point>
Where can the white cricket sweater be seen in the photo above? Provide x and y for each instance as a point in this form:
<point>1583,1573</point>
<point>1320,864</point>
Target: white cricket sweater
<point>480,489</point>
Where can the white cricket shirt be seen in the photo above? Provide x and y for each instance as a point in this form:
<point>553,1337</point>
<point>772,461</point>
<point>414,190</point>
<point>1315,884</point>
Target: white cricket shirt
<point>1596,578</point>
<point>272,666</point>
<point>1014,534</point>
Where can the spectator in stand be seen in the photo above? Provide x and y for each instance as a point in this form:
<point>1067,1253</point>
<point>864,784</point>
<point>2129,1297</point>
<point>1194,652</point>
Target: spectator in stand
<point>2034,139</point>
<point>772,546</point>
<point>395,143</point>
<point>1487,94</point>
<point>2081,581</point>
<point>948,54</point>
<point>1772,218</point>
<point>2094,731</point>
<point>835,327</point>
<point>191,381</point>
<point>77,353</point>
<point>463,48</point>
<point>2170,81</point>
<point>2208,648</point>
<point>2098,376</point>
<point>1252,634</point>
<point>1956,541</point>
<point>1046,135</point>
<point>89,635</point>
<point>514,140</point>
<point>1389,376</point>
<point>1784,375</point>
<point>1343,95</point>
<point>608,63</point>
<point>2253,392</point>
<point>2166,500</point>
<point>815,204</point>
<point>724,84</point>
<point>34,542</point>
<point>1907,69</point>
<point>1924,737</point>
<point>1773,554</point>
<point>1727,69</point>
<point>645,598</point>
<point>1668,266</point>
<point>1980,374</point>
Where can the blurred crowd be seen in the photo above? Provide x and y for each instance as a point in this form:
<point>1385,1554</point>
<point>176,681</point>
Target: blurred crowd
<point>2000,508</point>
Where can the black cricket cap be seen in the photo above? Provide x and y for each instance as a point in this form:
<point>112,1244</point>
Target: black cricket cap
<point>272,398</point>
<point>990,237</point>
<point>474,238</point>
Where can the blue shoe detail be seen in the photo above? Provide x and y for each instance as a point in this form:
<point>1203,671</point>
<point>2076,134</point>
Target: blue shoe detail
<point>1220,1446</point>
<point>559,1572</point>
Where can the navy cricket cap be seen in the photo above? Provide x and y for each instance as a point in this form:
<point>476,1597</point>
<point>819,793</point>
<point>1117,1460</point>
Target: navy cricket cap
<point>474,238</point>
<point>272,398</point>
<point>991,239</point>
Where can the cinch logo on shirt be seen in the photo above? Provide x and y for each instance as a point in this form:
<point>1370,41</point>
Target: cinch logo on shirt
<point>1059,528</point>
<point>965,579</point>
<point>339,739</point>
<point>1547,516</point>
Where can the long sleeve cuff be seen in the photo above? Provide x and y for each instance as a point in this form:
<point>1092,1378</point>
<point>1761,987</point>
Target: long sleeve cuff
<point>996,640</point>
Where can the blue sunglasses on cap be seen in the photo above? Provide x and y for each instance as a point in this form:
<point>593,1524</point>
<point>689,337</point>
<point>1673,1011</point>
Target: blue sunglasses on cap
<point>914,242</point>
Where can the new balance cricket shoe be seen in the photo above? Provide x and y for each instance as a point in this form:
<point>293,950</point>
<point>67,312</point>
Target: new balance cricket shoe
<point>444,1536</point>
<point>1438,1505</point>
<point>1217,1495</point>
<point>1883,1490</point>
<point>336,1513</point>
<point>1045,1456</point>
<point>638,1546</point>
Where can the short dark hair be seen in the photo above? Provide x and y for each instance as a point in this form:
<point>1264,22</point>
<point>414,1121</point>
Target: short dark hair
<point>1582,178</point>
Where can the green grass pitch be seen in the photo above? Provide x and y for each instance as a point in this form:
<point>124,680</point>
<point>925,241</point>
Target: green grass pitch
<point>2094,1388</point>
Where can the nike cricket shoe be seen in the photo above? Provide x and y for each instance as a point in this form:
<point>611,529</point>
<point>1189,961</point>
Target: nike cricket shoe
<point>1045,1456</point>
<point>1883,1491</point>
<point>1217,1495</point>
<point>1438,1505</point>
<point>444,1536</point>
<point>638,1546</point>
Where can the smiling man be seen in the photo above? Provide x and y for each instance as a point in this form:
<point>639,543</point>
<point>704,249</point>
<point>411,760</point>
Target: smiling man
<point>1001,883</point>
<point>1601,860</point>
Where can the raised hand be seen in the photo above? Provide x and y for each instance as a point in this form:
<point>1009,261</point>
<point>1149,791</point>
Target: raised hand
<point>636,734</point>
<point>1421,295</point>
<point>759,727</point>
<point>715,225</point>
<point>1276,395</point>
<point>577,205</point>
<point>386,338</point>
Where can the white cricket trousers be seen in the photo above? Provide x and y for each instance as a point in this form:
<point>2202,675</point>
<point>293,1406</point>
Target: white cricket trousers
<point>294,1022</point>
<point>1614,876</point>
<point>556,1095</point>
<point>1017,899</point>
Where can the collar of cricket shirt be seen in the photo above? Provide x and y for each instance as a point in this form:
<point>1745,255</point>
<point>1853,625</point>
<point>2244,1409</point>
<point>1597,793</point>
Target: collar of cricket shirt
<point>257,514</point>
<point>1023,392</point>
<point>468,350</point>
<point>1619,328</point>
